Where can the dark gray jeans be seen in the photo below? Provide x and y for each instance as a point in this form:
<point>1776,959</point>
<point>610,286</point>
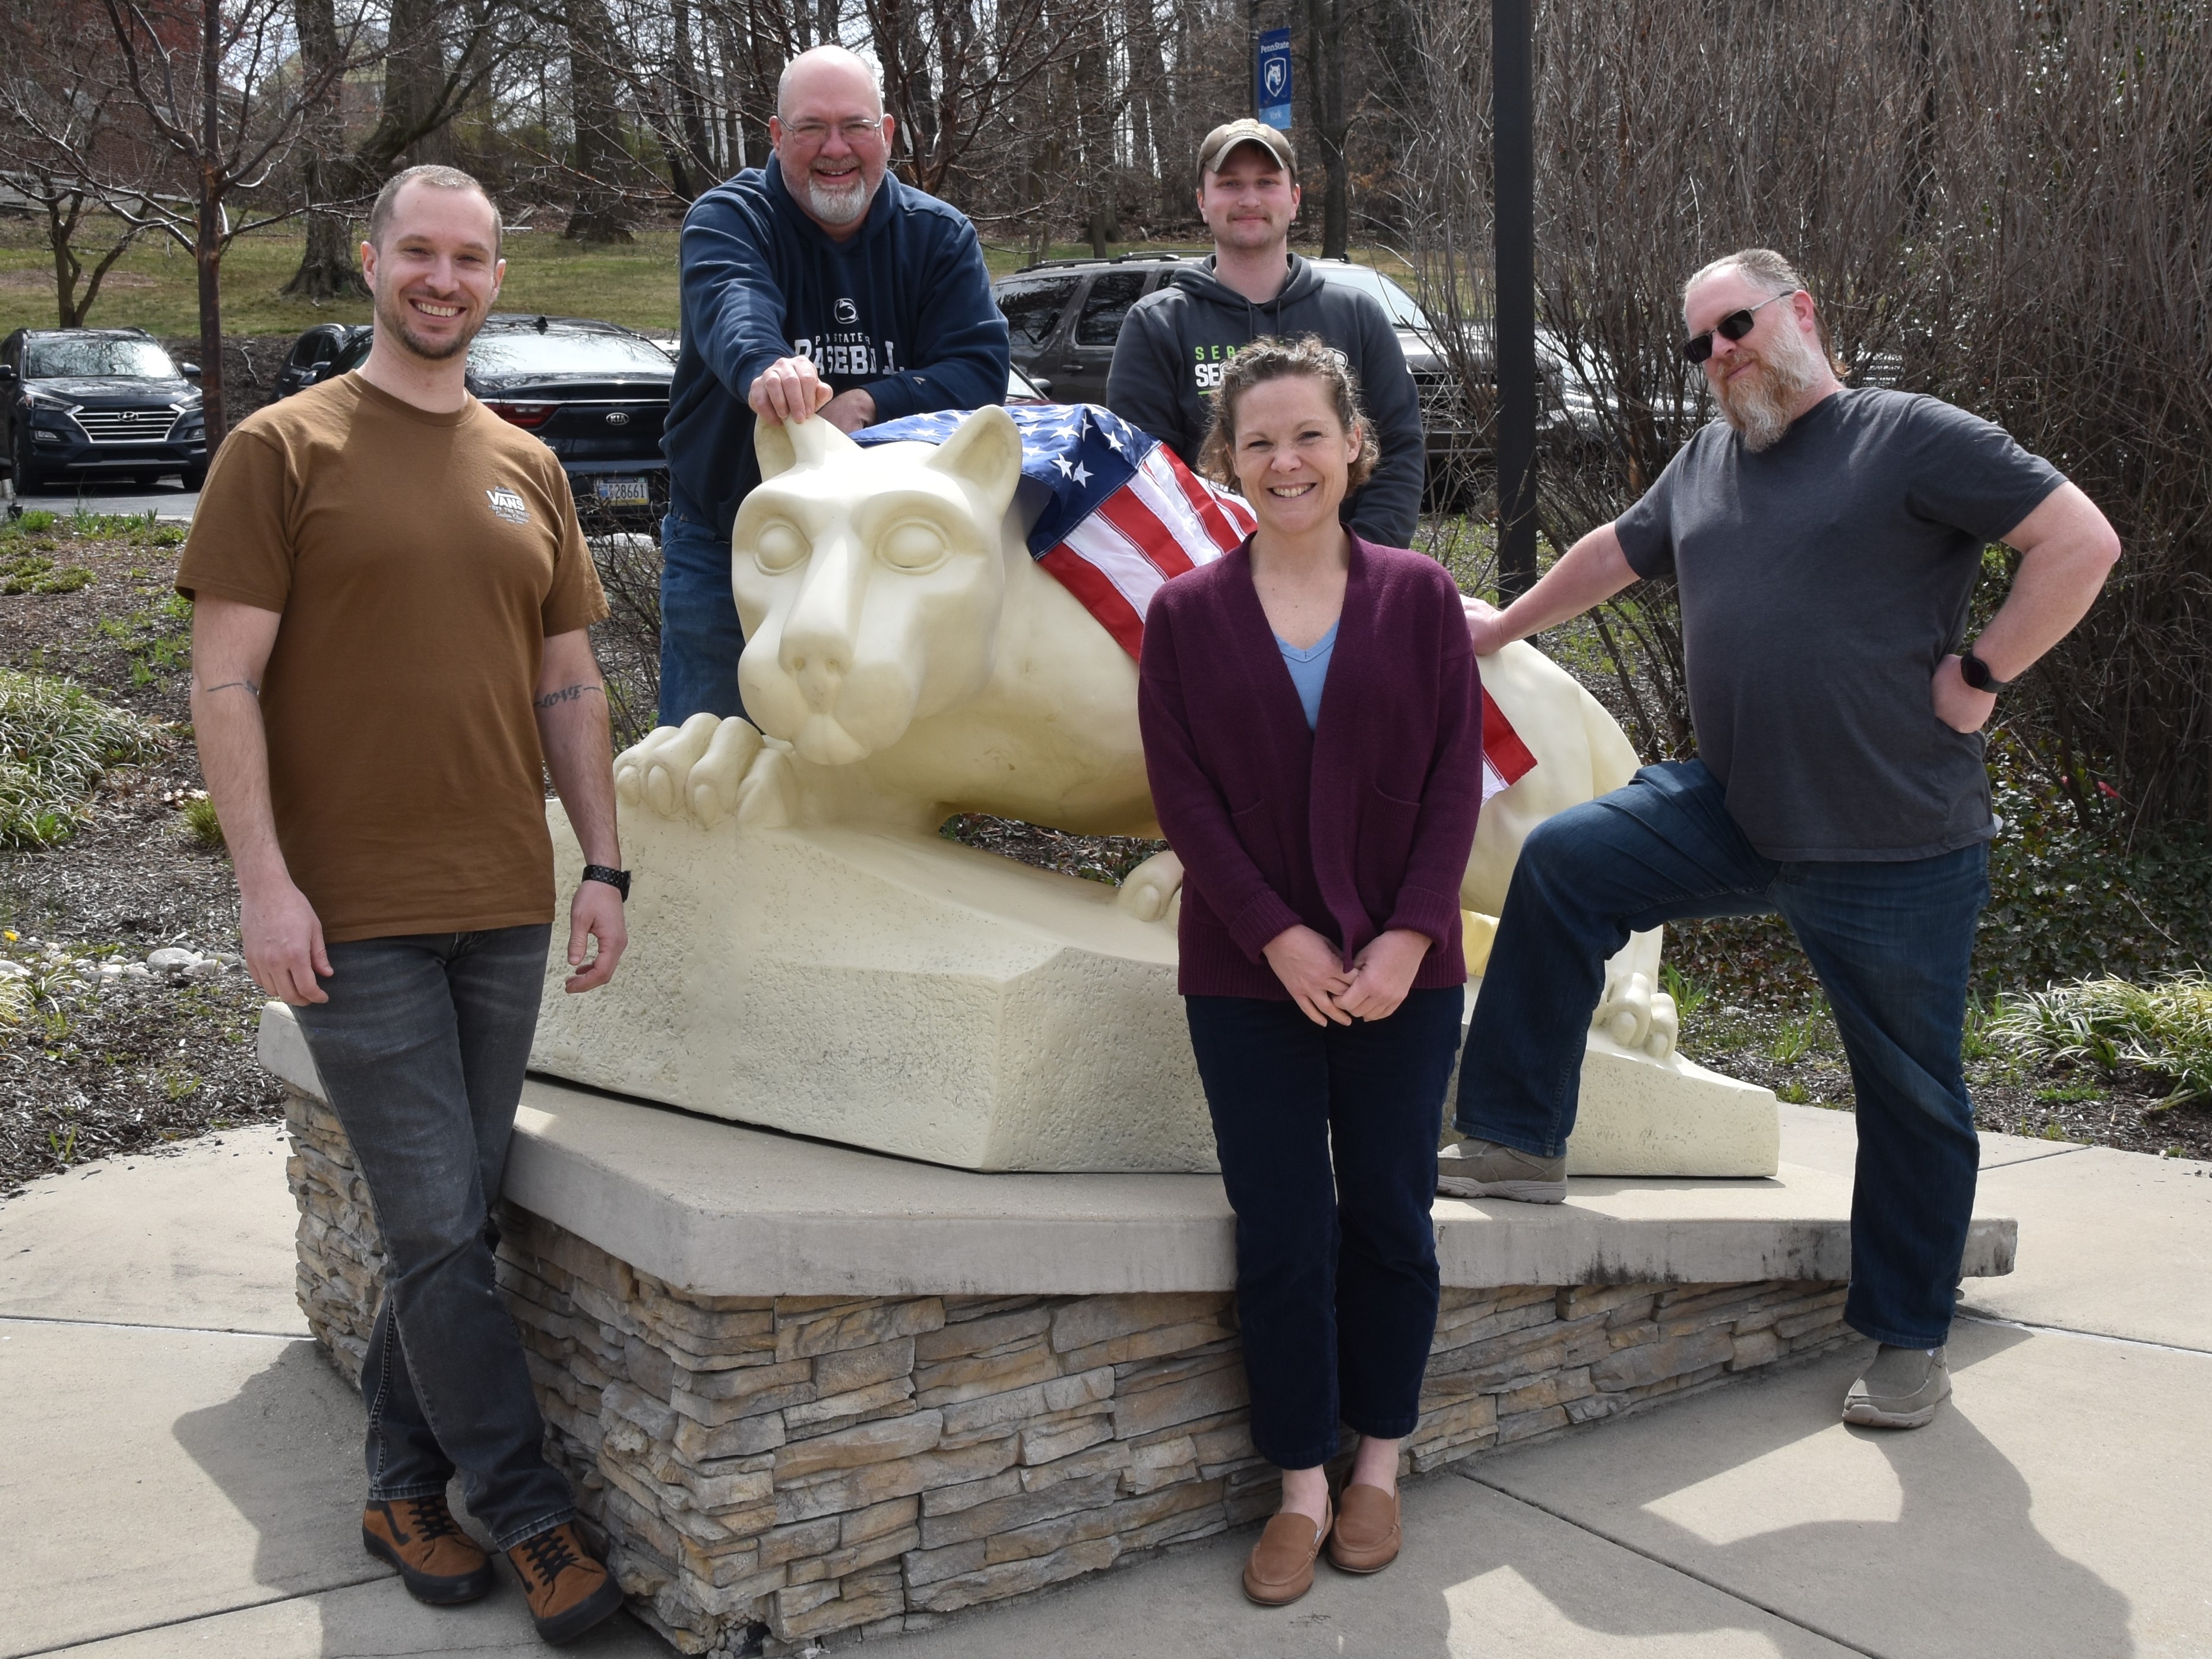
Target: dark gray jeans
<point>421,1048</point>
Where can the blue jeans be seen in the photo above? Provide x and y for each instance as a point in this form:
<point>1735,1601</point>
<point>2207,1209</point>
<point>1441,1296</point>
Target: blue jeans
<point>1891,942</point>
<point>422,1048</point>
<point>1327,1137</point>
<point>701,639</point>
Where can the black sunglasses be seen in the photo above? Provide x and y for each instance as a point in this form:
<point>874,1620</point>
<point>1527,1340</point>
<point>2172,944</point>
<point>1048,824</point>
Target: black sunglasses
<point>1733,326</point>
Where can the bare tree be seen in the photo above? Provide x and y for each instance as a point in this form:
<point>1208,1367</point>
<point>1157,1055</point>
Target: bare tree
<point>435,58</point>
<point>206,78</point>
<point>60,112</point>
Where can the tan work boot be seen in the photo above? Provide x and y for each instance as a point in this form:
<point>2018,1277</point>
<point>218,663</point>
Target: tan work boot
<point>438,1562</point>
<point>569,1588</point>
<point>1483,1169</point>
<point>1281,1566</point>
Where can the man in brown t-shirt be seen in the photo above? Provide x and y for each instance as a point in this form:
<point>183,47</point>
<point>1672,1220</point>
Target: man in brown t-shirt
<point>389,655</point>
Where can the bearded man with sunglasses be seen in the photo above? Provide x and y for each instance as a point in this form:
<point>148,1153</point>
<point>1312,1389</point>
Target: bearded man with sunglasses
<point>817,283</point>
<point>1826,541</point>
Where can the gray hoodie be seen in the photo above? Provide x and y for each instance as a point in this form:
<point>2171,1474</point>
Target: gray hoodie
<point>1173,341</point>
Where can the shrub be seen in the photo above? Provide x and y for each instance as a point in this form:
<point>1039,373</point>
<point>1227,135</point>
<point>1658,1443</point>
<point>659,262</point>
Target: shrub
<point>56,743</point>
<point>2164,1028</point>
<point>202,825</point>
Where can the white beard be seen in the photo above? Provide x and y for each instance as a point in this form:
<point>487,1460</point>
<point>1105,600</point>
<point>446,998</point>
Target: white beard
<point>835,206</point>
<point>1760,407</point>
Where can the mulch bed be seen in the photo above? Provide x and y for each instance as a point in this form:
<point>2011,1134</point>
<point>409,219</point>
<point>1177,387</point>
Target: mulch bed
<point>131,1065</point>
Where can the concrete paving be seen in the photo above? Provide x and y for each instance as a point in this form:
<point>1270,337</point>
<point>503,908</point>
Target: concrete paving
<point>182,1238</point>
<point>181,1469</point>
<point>165,499</point>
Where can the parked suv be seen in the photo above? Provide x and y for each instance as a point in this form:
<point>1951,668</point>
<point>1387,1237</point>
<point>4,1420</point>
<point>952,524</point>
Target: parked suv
<point>595,394</point>
<point>1064,316</point>
<point>313,352</point>
<point>98,402</point>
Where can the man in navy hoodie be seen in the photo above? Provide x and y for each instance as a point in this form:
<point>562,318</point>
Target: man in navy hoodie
<point>1174,340</point>
<point>816,282</point>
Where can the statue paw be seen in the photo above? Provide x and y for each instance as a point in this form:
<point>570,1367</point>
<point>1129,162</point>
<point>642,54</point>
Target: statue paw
<point>1625,1013</point>
<point>1666,1027</point>
<point>690,770</point>
<point>768,795</point>
<point>1150,891</point>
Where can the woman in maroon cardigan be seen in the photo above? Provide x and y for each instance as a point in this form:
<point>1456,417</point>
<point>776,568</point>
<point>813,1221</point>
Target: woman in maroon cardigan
<point>1313,731</point>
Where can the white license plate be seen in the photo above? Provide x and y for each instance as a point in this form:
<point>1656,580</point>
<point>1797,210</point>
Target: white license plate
<point>624,492</point>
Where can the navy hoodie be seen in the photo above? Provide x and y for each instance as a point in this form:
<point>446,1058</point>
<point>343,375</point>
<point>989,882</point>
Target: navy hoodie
<point>903,309</point>
<point>1174,340</point>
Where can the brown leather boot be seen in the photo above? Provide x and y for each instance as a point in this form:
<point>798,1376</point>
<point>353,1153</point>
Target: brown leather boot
<point>1366,1536</point>
<point>1281,1566</point>
<point>569,1588</point>
<point>438,1562</point>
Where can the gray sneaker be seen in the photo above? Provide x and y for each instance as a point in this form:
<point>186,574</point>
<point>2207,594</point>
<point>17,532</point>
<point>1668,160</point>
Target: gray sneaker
<point>1900,1389</point>
<point>1484,1169</point>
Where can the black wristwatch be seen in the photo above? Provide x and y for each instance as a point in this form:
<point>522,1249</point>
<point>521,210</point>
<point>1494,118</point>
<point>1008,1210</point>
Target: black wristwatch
<point>616,879</point>
<point>1976,672</point>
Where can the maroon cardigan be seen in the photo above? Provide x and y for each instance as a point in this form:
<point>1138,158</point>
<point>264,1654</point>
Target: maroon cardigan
<point>1361,825</point>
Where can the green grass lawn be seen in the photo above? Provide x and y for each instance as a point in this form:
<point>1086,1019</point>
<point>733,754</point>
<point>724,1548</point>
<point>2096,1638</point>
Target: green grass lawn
<point>155,286</point>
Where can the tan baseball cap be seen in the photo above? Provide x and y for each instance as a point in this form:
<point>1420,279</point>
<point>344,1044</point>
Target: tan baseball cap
<point>1244,130</point>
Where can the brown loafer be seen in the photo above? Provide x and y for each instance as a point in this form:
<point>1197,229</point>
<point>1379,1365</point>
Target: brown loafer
<point>438,1562</point>
<point>1365,1538</point>
<point>1281,1566</point>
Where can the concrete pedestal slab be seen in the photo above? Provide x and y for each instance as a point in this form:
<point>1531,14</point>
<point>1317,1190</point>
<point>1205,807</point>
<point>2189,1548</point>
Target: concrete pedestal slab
<point>719,1209</point>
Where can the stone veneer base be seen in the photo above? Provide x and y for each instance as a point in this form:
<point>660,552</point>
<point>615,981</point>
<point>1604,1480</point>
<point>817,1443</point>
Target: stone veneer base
<point>800,1469</point>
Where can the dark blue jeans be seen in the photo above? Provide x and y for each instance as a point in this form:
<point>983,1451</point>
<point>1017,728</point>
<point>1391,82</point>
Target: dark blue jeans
<point>701,639</point>
<point>1891,942</point>
<point>1327,1137</point>
<point>423,1046</point>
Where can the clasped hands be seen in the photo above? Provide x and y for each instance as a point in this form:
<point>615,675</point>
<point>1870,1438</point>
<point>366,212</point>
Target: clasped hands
<point>1327,991</point>
<point>790,389</point>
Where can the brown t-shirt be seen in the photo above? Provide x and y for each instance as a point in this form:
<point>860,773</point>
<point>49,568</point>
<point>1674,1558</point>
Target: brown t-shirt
<point>420,562</point>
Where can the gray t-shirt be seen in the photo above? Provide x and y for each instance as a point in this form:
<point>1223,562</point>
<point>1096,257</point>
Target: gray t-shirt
<point>1822,580</point>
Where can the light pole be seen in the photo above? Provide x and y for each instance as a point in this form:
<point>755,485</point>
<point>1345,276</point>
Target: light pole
<point>1514,314</point>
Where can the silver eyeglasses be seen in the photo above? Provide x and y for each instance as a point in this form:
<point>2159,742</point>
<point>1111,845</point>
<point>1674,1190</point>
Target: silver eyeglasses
<point>856,131</point>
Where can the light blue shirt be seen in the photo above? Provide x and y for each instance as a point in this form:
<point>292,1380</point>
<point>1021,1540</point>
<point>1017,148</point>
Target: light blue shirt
<point>1309,670</point>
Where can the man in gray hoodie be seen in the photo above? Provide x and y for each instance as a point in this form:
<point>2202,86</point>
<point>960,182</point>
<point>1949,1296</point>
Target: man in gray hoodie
<point>1175,341</point>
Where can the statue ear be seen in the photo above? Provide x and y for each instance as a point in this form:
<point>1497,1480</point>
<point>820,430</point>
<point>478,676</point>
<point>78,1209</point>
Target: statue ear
<point>782,446</point>
<point>985,453</point>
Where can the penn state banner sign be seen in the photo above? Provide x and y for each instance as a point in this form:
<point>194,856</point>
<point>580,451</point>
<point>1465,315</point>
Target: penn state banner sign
<point>1272,75</point>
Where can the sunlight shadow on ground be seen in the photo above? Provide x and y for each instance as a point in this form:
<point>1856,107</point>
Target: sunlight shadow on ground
<point>1905,1544</point>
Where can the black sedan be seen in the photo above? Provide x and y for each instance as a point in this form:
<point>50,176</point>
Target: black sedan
<point>98,403</point>
<point>594,393</point>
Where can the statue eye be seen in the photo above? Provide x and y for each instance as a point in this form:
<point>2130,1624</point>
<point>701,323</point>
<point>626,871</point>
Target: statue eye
<point>779,546</point>
<point>913,546</point>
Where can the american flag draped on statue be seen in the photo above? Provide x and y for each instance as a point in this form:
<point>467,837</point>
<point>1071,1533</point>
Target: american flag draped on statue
<point>1116,514</point>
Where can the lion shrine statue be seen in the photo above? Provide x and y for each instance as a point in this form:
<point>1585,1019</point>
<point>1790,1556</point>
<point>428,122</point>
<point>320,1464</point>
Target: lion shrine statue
<point>808,952</point>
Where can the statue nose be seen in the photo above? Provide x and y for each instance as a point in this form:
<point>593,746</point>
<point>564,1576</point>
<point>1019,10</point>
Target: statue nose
<point>820,668</point>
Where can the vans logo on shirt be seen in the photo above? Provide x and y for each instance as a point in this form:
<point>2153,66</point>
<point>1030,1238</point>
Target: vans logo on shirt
<point>506,504</point>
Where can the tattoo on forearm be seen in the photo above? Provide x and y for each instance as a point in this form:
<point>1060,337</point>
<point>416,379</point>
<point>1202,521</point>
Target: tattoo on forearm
<point>566,694</point>
<point>231,685</point>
